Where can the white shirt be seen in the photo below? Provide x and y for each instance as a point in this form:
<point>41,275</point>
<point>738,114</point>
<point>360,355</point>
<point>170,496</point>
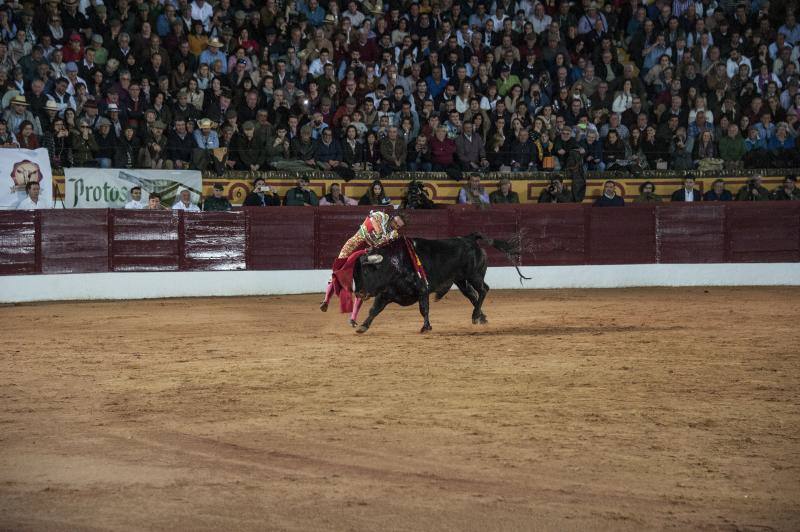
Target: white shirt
<point>688,195</point>
<point>28,205</point>
<point>203,14</point>
<point>179,206</point>
<point>133,204</point>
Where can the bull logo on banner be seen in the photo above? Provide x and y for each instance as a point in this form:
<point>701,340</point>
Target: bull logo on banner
<point>18,168</point>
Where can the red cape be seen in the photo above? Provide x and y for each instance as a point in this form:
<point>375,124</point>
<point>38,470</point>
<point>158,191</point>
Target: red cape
<point>343,279</point>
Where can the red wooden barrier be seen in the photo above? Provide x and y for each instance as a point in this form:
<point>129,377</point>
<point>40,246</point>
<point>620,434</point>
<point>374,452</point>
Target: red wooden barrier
<point>18,242</point>
<point>553,234</point>
<point>621,235</point>
<point>498,222</point>
<point>74,241</point>
<point>686,234</point>
<point>304,238</point>
<point>215,241</point>
<point>280,238</point>
<point>144,241</point>
<point>767,233</point>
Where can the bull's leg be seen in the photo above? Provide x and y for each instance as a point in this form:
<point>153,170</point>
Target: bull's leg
<point>380,303</point>
<point>482,289</point>
<point>471,294</point>
<point>424,307</point>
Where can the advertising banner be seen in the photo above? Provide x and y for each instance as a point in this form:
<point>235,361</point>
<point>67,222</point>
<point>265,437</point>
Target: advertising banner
<point>100,188</point>
<point>17,168</point>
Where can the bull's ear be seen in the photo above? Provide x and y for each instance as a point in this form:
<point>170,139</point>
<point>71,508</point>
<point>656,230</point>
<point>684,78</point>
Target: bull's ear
<point>374,259</point>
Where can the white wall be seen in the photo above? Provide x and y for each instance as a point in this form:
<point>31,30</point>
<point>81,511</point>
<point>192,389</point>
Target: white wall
<point>82,286</point>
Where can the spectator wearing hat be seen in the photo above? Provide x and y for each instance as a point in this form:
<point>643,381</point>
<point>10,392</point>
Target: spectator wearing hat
<point>84,145</point>
<point>206,140</point>
<point>154,152</point>
<point>247,150</point>
<point>106,143</point>
<point>217,202</point>
<point>49,114</point>
<point>17,113</point>
<point>213,54</point>
<point>73,50</point>
<point>184,202</point>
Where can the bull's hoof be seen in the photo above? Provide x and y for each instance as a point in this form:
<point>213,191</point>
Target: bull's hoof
<point>324,306</point>
<point>353,323</point>
<point>480,320</point>
<point>361,330</point>
<point>425,328</point>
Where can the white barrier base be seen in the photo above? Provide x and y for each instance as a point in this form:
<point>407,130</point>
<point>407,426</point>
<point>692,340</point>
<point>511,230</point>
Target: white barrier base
<point>145,285</point>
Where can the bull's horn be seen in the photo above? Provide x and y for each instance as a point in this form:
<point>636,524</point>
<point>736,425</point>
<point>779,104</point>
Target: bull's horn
<point>374,259</point>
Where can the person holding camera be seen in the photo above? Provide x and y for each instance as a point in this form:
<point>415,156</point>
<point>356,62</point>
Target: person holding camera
<point>681,151</point>
<point>262,195</point>
<point>753,190</point>
<point>416,197</point>
<point>556,192</point>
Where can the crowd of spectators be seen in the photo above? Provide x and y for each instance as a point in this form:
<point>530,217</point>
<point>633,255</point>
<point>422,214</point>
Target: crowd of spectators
<point>445,85</point>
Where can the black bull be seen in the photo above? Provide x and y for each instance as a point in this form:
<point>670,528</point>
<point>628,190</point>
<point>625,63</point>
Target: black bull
<point>388,275</point>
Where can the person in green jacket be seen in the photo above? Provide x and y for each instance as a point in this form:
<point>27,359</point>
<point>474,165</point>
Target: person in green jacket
<point>217,202</point>
<point>301,195</point>
<point>506,81</point>
<point>504,194</point>
<point>84,145</point>
<point>731,146</point>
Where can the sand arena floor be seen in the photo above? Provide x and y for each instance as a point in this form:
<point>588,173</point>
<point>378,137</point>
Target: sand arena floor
<point>572,410</point>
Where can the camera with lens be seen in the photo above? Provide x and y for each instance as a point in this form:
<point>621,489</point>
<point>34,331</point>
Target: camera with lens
<point>416,197</point>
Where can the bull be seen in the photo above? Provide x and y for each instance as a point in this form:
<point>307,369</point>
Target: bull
<point>389,275</point>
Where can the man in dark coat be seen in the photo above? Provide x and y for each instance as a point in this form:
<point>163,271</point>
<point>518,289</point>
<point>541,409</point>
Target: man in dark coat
<point>610,198</point>
<point>789,190</point>
<point>262,195</point>
<point>687,193</point>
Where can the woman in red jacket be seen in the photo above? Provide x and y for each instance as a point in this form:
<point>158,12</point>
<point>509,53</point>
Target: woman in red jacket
<point>443,150</point>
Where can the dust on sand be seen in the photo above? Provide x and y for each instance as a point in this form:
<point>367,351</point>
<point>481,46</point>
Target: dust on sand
<point>592,409</point>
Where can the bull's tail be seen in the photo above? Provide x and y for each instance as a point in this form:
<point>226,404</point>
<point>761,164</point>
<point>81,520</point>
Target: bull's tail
<point>512,248</point>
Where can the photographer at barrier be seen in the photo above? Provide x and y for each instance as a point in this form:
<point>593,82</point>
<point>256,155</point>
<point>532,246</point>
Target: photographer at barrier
<point>556,192</point>
<point>753,190</point>
<point>416,197</point>
<point>262,195</point>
